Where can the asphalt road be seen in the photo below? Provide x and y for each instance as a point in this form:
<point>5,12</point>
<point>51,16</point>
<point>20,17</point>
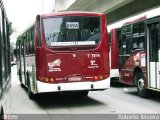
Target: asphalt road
<point>119,99</point>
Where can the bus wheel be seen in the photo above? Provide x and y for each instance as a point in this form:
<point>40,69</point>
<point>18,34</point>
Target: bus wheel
<point>30,94</point>
<point>2,114</point>
<point>22,85</point>
<point>20,76</point>
<point>142,91</point>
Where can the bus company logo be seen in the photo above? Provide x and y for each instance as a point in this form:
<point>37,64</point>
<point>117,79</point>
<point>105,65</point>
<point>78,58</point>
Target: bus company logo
<point>93,64</point>
<point>56,63</point>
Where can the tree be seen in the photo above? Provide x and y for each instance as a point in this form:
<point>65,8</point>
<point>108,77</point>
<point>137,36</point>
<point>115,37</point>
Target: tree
<point>11,31</point>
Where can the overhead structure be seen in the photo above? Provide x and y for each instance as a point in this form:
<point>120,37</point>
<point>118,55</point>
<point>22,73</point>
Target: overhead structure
<point>116,10</point>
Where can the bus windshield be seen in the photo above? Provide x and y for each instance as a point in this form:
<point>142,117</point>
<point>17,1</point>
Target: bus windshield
<point>71,30</point>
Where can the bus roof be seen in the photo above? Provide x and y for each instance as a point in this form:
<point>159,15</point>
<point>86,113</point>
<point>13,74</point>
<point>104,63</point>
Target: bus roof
<point>68,13</point>
<point>136,20</point>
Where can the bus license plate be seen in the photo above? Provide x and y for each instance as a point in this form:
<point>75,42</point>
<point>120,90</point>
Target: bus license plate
<point>75,78</point>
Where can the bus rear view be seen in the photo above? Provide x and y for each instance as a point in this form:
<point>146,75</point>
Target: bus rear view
<point>71,53</point>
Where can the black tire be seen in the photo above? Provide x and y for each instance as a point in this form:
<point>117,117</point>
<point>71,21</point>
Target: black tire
<point>22,85</point>
<point>141,89</point>
<point>20,76</point>
<point>30,94</point>
<point>2,114</point>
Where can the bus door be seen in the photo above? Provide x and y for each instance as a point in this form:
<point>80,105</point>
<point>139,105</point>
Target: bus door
<point>153,53</point>
<point>22,62</point>
<point>19,60</point>
<point>125,45</point>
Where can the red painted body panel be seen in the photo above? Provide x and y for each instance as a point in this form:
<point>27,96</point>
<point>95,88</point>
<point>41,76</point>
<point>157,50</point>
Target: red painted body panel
<point>137,59</point>
<point>73,64</point>
<point>114,50</point>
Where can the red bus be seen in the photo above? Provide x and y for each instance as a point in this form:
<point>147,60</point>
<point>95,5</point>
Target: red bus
<point>114,37</point>
<point>5,64</point>
<point>65,51</point>
<point>139,55</point>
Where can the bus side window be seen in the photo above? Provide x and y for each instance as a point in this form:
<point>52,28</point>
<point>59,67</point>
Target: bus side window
<point>124,43</point>
<point>32,43</point>
<point>142,34</point>
<point>138,36</point>
<point>126,40</point>
<point>27,44</point>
